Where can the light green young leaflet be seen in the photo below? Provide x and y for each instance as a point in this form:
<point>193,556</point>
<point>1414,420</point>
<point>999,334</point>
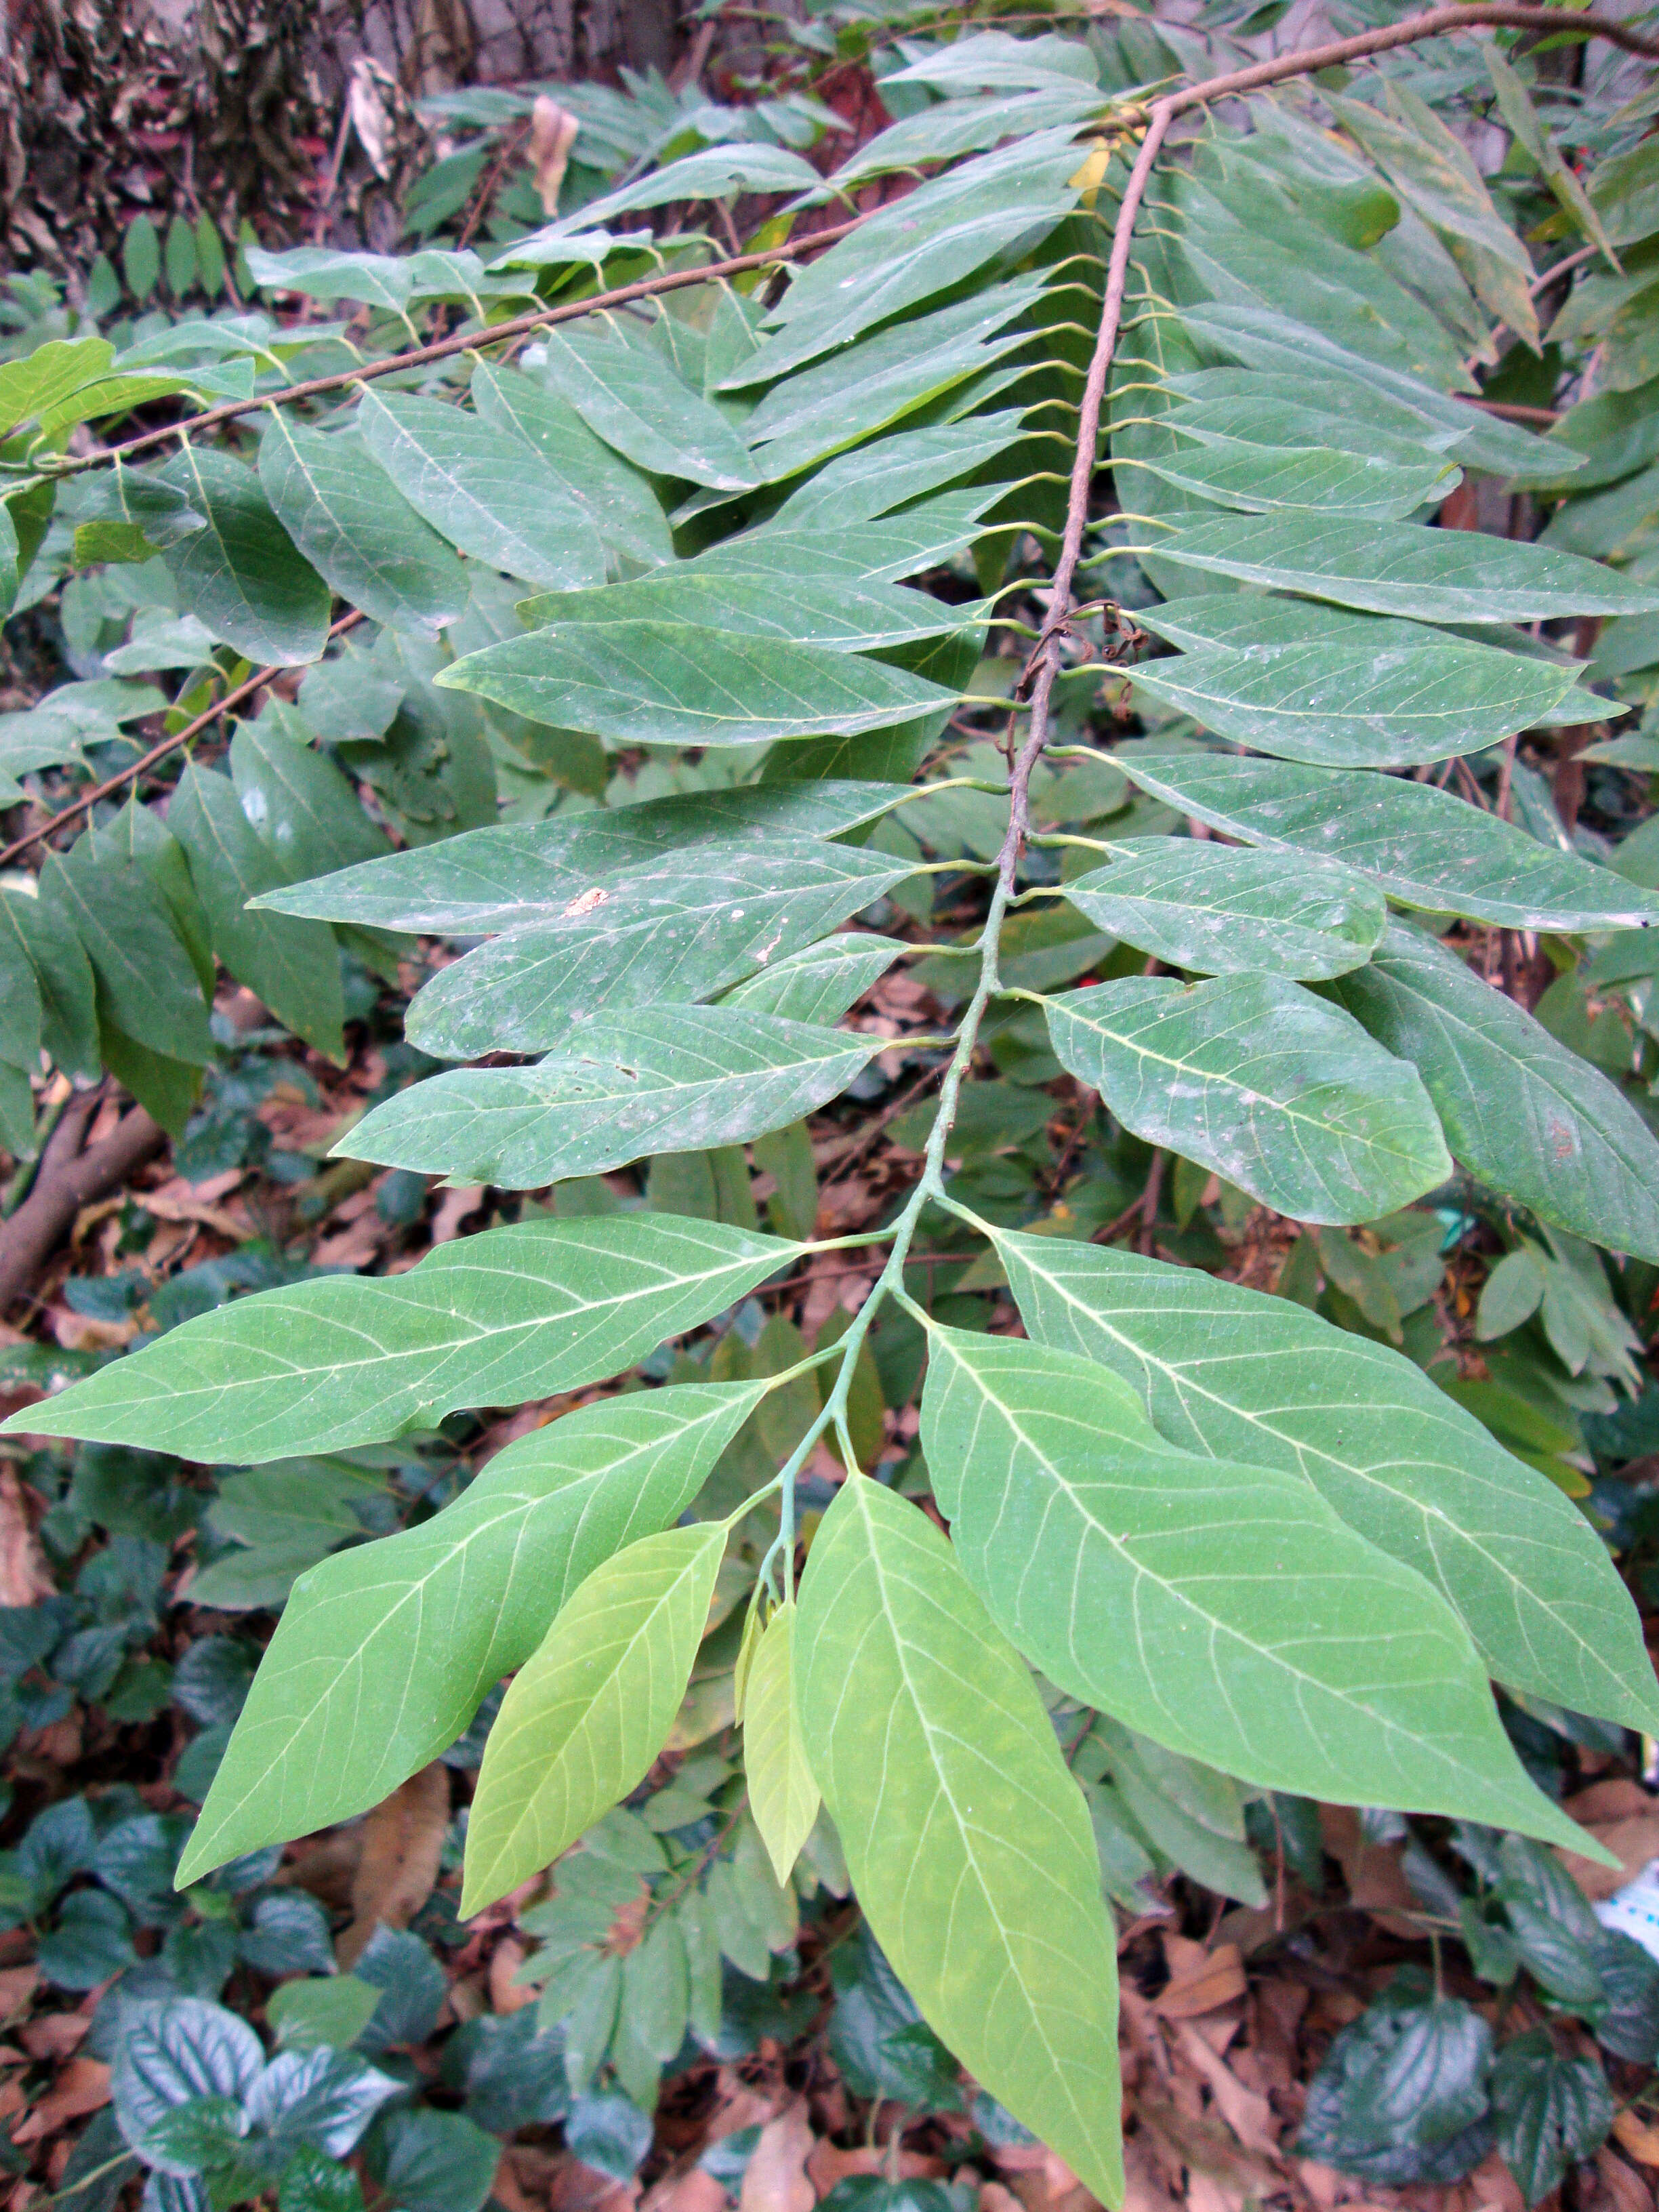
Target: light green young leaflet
<point>967,1839</point>
<point>667,934</point>
<point>1419,845</point>
<point>782,1795</point>
<point>662,683</point>
<point>1240,1376</point>
<point>1252,1077</point>
<point>680,1079</point>
<point>509,1315</point>
<point>1525,1114</point>
<point>590,1709</point>
<point>1222,1608</point>
<point>517,874</point>
<point>1214,908</point>
<point>383,1653</point>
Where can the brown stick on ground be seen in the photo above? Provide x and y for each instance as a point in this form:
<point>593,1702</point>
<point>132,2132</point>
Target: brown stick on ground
<point>72,1174</point>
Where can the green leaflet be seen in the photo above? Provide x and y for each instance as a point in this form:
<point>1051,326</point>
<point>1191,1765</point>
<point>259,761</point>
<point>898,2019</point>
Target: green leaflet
<point>1240,1376</point>
<point>591,1709</point>
<point>1224,1610</point>
<point>617,498</point>
<point>964,126</point>
<point>1263,479</point>
<point>680,1081</point>
<point>479,488</point>
<point>853,617</point>
<point>668,684</point>
<point>966,1837</point>
<point>241,574</point>
<point>1419,845</point>
<point>1261,414</point>
<point>146,984</point>
<point>1306,365</point>
<point>679,931</point>
<point>1433,172</point>
<point>1354,701</point>
<point>822,980</point>
<point>1393,569</point>
<point>633,399</point>
<point>782,1795</point>
<point>509,1315</point>
<point>1238,239</point>
<point>1525,1114</point>
<point>292,966</point>
<point>1251,1076</point>
<point>367,542</point>
<point>20,1005</point>
<point>383,1654</point>
<point>522,874</point>
<point>814,553</point>
<point>872,479</point>
<point>713,172</point>
<point>833,404</point>
<point>1214,908</point>
<point>947,229</point>
<point>299,804</point>
<point>62,975</point>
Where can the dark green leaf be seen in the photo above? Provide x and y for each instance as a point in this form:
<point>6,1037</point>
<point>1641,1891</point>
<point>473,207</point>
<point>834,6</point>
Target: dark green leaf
<point>241,574</point>
<point>367,542</point>
<point>1526,1114</point>
<point>1551,2111</point>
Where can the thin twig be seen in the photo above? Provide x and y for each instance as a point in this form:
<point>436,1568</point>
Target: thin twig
<point>464,341</point>
<point>118,782</point>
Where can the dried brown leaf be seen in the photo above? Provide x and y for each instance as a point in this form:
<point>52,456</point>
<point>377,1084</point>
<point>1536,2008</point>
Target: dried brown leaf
<point>402,1842</point>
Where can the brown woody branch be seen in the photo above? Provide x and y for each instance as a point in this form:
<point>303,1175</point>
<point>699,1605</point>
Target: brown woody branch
<point>139,767</point>
<point>519,326</point>
<point>72,1174</point>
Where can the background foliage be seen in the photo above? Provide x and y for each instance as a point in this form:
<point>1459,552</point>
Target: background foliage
<point>668,540</point>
